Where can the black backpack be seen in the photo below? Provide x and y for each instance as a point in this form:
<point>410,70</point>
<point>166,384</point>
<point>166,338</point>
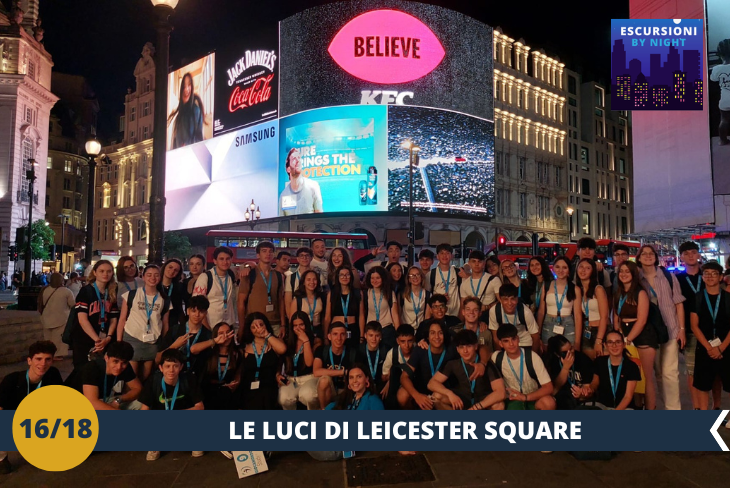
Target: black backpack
<point>520,313</point>
<point>528,363</point>
<point>432,280</point>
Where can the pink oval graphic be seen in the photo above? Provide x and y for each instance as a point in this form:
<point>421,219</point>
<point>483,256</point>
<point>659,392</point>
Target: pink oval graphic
<point>386,46</point>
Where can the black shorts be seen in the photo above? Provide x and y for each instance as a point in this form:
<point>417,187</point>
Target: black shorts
<point>707,369</point>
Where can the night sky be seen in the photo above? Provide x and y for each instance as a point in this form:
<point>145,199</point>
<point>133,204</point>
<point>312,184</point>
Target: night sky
<point>102,39</point>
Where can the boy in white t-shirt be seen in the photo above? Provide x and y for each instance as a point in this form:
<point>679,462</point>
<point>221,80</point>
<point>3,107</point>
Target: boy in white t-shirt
<point>721,74</point>
<point>507,312</point>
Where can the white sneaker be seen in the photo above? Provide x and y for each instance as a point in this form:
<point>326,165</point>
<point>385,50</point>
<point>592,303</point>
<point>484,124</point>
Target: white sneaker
<point>227,454</point>
<point>198,453</point>
<point>153,455</point>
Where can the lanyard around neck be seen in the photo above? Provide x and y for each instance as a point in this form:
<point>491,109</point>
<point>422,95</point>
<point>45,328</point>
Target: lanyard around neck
<point>522,369</point>
<point>171,405</point>
<point>473,382</point>
<point>430,360</point>
<point>27,383</point>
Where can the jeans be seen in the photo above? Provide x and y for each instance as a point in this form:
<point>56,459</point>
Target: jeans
<point>666,364</point>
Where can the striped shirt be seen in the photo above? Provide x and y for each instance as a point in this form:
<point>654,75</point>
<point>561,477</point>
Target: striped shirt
<point>667,297</point>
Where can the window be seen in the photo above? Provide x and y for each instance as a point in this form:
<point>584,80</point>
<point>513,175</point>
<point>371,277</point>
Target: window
<point>145,109</point>
<point>67,184</point>
<point>121,123</point>
<point>572,102</point>
<point>622,166</point>
<point>621,136</point>
<point>98,230</point>
<point>584,155</point>
<point>586,223</point>
<point>146,84</point>
<point>498,90</point>
<point>27,155</point>
<point>107,194</point>
<point>498,163</point>
<point>575,121</point>
<point>116,172</point>
<point>521,98</point>
<point>572,84</point>
<point>78,170</point>
<point>624,226</point>
<point>132,115</point>
<point>622,122</point>
<point>523,205</point>
<point>143,166</point>
<point>101,200</point>
<point>127,197</point>
<point>570,180</point>
<point>29,114</point>
<point>31,69</point>
<point>106,230</point>
<point>145,132</point>
<point>522,169</point>
<point>49,163</point>
<point>131,135</point>
<point>558,176</point>
<point>539,172</point>
<point>141,230</point>
<point>66,202</point>
<point>142,200</point>
<point>506,164</point>
<point>623,195</point>
<point>502,202</point>
<point>498,129</point>
<point>598,97</point>
<point>114,197</point>
<point>68,166</point>
<point>586,187</point>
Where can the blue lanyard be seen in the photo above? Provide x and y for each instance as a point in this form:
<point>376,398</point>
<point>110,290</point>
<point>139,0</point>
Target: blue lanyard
<point>653,292</point>
<point>402,357</point>
<point>345,306</point>
<point>473,382</point>
<point>446,282</point>
<point>586,310</point>
<point>559,304</point>
<point>228,361</point>
<point>538,293</point>
<point>224,287</point>
<point>102,306</point>
<point>519,290</point>
<point>187,331</point>
<point>259,357</point>
<point>713,313</point>
<point>149,308</point>
<point>505,319</point>
<point>621,302</point>
<point>699,284</point>
<point>377,306</point>
<point>127,285</point>
<point>417,308</point>
<point>342,358</point>
<point>268,284</point>
<point>103,393</point>
<point>296,359</point>
<point>430,360</point>
<point>27,383</point>
<point>171,405</point>
<point>373,368</point>
<point>479,284</point>
<point>522,369</point>
<point>312,309</point>
<point>614,382</point>
<point>169,291</point>
<point>356,401</point>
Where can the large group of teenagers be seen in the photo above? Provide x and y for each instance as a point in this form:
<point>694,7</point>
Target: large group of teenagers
<point>373,335</point>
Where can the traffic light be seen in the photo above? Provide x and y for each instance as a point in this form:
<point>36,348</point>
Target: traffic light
<point>501,242</point>
<point>13,253</point>
<point>556,250</point>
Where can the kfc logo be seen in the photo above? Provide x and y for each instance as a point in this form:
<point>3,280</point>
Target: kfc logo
<point>386,47</point>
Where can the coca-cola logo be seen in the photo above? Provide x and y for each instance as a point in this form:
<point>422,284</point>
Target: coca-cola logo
<point>386,46</point>
<point>257,92</point>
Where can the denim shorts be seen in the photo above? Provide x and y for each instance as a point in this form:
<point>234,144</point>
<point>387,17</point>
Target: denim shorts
<point>549,324</point>
<point>143,351</point>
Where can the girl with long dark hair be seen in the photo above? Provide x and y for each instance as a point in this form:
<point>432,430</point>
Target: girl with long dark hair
<point>260,363</point>
<point>382,303</point>
<point>539,278</point>
<point>223,370</point>
<point>360,393</point>
<point>337,258</point>
<point>310,300</point>
<point>295,379</point>
<point>345,304</point>
<point>171,284</point>
<point>560,313</point>
<point>595,308</point>
<point>189,116</point>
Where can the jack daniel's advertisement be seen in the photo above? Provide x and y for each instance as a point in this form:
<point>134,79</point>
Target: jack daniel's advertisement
<point>247,82</point>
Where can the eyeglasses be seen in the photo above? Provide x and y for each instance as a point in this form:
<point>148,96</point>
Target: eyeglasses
<point>438,307</point>
<point>509,266</point>
<point>614,343</point>
<point>620,254</point>
<point>710,274</point>
<point>131,266</point>
<point>411,276</point>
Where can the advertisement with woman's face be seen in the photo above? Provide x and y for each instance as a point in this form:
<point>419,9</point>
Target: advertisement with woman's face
<point>190,103</point>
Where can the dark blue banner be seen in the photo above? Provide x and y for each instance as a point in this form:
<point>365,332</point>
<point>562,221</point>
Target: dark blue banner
<point>401,430</point>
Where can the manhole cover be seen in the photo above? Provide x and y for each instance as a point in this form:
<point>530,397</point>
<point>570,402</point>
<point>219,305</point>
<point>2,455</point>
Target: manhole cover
<point>388,470</point>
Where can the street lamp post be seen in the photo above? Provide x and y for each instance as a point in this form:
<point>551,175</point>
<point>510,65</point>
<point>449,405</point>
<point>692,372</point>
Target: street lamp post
<point>252,216</point>
<point>31,176</point>
<point>93,148</point>
<point>570,211</point>
<point>412,149</point>
<point>63,241</point>
<point>163,10</point>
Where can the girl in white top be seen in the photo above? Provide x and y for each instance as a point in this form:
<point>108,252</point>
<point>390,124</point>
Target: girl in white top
<point>127,279</point>
<point>144,320</point>
<point>415,299</point>
<point>595,308</point>
<point>492,294</point>
<point>382,305</point>
<point>560,313</point>
<point>309,300</point>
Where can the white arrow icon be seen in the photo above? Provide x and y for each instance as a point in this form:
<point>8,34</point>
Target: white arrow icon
<point>716,434</point>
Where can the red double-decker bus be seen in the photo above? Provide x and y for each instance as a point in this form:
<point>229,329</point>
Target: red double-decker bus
<point>521,251</point>
<point>604,249</point>
<point>244,242</point>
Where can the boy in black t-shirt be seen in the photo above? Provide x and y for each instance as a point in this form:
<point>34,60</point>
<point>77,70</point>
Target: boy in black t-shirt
<point>439,305</point>
<point>331,364</point>
<point>485,392</point>
<point>373,352</point>
<point>104,381</point>
<point>192,338</point>
<point>16,386</point>
<point>711,326</point>
<point>171,389</point>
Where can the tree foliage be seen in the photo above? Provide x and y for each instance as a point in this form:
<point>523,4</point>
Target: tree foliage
<point>41,241</point>
<point>177,245</point>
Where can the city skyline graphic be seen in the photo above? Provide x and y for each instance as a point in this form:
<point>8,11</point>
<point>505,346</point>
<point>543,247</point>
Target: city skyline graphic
<point>657,72</point>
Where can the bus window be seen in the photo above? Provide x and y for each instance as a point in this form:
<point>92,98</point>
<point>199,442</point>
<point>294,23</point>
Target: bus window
<point>358,244</point>
<point>220,241</point>
<point>297,243</point>
<point>279,243</point>
<point>253,242</point>
<point>330,243</point>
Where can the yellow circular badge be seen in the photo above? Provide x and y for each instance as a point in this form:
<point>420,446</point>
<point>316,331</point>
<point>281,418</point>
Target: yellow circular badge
<point>55,428</point>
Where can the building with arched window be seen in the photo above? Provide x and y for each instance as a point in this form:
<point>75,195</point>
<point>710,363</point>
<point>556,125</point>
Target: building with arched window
<point>25,105</point>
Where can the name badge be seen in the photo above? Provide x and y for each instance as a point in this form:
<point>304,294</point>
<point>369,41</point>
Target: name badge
<point>255,385</point>
<point>349,334</point>
<point>148,338</point>
<point>715,342</point>
<point>270,308</point>
<point>587,333</point>
<point>288,202</point>
<point>558,329</point>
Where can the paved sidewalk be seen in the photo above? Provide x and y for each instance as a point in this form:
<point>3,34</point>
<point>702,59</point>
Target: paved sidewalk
<point>450,469</point>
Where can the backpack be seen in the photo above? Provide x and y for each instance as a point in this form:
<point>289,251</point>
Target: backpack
<point>432,280</point>
<point>165,303</point>
<point>70,328</point>
<point>209,275</point>
<point>668,276</point>
<point>520,313</point>
<point>528,363</point>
